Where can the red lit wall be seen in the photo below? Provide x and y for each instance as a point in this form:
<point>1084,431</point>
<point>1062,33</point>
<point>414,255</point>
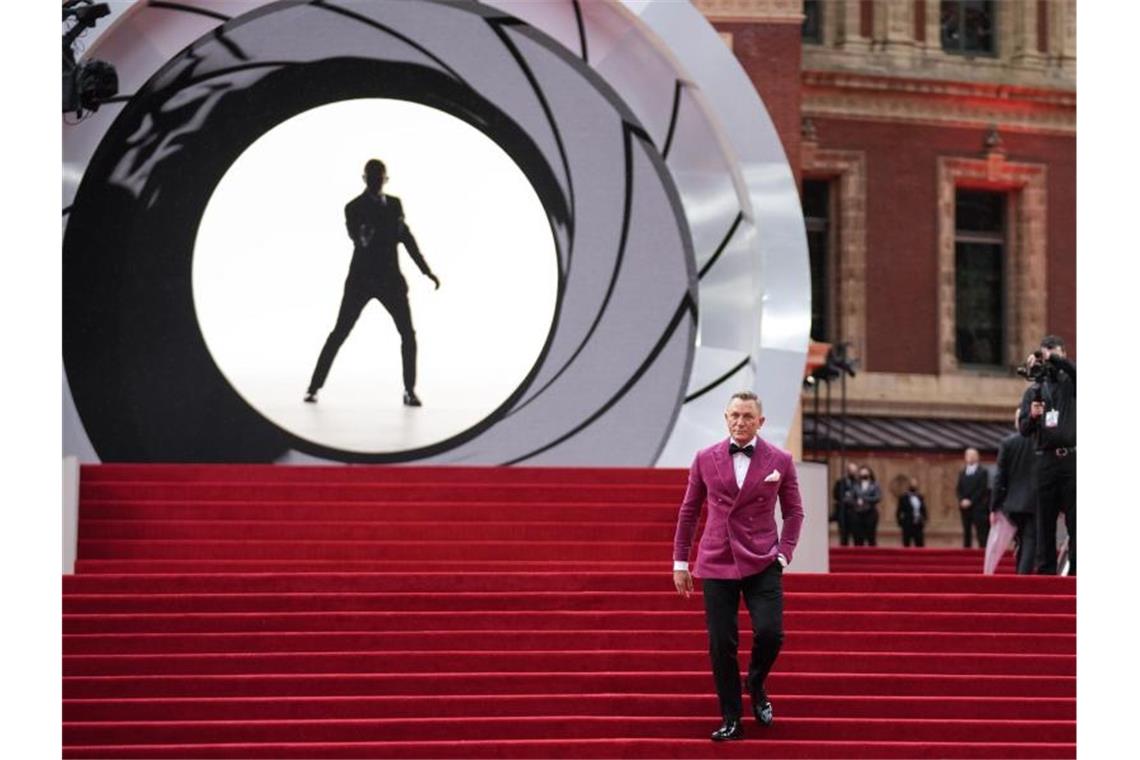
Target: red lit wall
<point>902,320</point>
<point>770,53</point>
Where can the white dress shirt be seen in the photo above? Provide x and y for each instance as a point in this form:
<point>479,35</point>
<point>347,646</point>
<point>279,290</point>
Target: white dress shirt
<point>740,461</point>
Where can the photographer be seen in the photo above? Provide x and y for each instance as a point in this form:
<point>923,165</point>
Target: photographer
<point>1048,415</point>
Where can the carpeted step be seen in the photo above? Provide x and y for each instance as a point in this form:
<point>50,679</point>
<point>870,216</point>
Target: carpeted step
<point>683,619</point>
<point>591,748</point>
<point>689,681</point>
<point>118,565</point>
<point>550,727</point>
<point>570,640</point>
<point>512,492</point>
<point>392,511</point>
<point>646,705</point>
<point>260,473</point>
<point>653,660</point>
<point>647,601</point>
<point>474,579</point>
<point>373,530</point>
<point>427,551</point>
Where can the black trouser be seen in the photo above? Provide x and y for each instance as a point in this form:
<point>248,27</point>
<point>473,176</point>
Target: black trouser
<point>843,520</point>
<point>764,597</point>
<point>974,520</point>
<point>1026,523</point>
<point>358,291</point>
<point>1056,493</point>
<point>981,524</point>
<point>864,526</point>
<point>912,532</point>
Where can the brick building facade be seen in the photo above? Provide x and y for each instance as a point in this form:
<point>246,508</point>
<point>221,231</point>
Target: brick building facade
<point>935,144</point>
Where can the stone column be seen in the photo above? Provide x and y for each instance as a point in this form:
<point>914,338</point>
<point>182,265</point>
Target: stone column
<point>933,26</point>
<point>847,29</point>
<point>1023,19</point>
<point>894,26</point>
<point>1063,35</point>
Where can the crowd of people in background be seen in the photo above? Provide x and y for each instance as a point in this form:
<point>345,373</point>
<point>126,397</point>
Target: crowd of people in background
<point>856,498</point>
<point>1033,483</point>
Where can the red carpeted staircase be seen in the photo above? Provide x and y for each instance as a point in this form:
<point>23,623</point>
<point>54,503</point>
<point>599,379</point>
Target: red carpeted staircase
<point>353,612</point>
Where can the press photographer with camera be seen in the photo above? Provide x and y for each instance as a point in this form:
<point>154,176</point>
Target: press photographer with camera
<point>1049,416</point>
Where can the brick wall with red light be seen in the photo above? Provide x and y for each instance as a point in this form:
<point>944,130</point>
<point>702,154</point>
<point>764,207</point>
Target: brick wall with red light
<point>902,229</point>
<point>771,54</point>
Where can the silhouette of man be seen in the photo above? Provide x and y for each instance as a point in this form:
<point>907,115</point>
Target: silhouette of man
<point>375,222</point>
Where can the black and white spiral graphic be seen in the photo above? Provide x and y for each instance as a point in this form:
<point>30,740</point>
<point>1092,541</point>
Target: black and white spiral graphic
<point>613,374</point>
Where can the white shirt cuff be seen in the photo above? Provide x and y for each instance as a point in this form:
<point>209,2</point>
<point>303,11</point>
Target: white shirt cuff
<point>678,566</point>
<point>782,560</point>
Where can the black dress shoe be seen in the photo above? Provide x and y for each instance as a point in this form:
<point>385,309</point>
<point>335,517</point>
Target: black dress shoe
<point>762,711</point>
<point>410,399</point>
<point>310,397</point>
<point>729,731</point>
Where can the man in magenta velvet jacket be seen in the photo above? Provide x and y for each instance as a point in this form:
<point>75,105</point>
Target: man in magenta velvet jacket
<point>741,553</point>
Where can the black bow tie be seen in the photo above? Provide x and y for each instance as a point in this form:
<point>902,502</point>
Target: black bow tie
<point>745,450</point>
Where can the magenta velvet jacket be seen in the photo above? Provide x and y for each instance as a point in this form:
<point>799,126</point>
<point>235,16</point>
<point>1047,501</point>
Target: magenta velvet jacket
<point>740,536</point>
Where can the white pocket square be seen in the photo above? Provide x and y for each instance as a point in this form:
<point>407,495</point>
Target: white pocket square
<point>773,477</point>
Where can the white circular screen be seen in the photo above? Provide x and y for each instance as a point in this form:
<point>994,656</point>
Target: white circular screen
<point>272,254</point>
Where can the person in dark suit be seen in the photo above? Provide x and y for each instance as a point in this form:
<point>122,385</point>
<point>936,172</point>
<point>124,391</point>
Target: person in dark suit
<point>973,499</point>
<point>911,515</point>
<point>1049,419</point>
<point>1015,493</point>
<point>375,224</point>
<point>843,497</point>
<point>741,553</point>
<point>865,513</point>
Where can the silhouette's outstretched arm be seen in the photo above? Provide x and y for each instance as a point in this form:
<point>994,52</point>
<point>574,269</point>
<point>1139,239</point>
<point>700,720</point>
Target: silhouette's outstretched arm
<point>409,241</point>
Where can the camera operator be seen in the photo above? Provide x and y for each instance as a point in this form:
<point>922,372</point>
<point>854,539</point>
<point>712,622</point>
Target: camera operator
<point>1049,416</point>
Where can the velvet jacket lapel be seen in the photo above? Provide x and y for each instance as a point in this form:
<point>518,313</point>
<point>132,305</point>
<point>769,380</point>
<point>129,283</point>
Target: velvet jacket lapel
<point>725,470</point>
<point>758,469</point>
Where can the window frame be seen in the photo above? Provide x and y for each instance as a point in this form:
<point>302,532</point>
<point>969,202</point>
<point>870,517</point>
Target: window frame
<point>993,8</point>
<point>1027,225</point>
<point>817,39</point>
<point>1000,238</point>
<point>828,225</point>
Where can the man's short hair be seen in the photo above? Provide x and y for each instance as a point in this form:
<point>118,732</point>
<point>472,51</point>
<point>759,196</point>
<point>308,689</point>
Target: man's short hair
<point>375,164</point>
<point>747,396</point>
<point>1053,341</point>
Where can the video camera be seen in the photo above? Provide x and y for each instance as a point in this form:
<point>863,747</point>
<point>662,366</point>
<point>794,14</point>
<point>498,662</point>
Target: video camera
<point>88,84</point>
<point>1040,371</point>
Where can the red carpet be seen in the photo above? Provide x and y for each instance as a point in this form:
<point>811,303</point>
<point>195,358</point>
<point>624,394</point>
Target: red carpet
<point>857,559</point>
<point>271,612</point>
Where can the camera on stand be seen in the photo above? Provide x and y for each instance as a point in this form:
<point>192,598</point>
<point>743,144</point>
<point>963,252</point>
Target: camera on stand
<point>86,84</point>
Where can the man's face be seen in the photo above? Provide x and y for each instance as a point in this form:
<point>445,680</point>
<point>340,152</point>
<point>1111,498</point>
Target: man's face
<point>743,418</point>
<point>971,456</point>
<point>1056,351</point>
<point>852,470</point>
<point>374,179</point>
